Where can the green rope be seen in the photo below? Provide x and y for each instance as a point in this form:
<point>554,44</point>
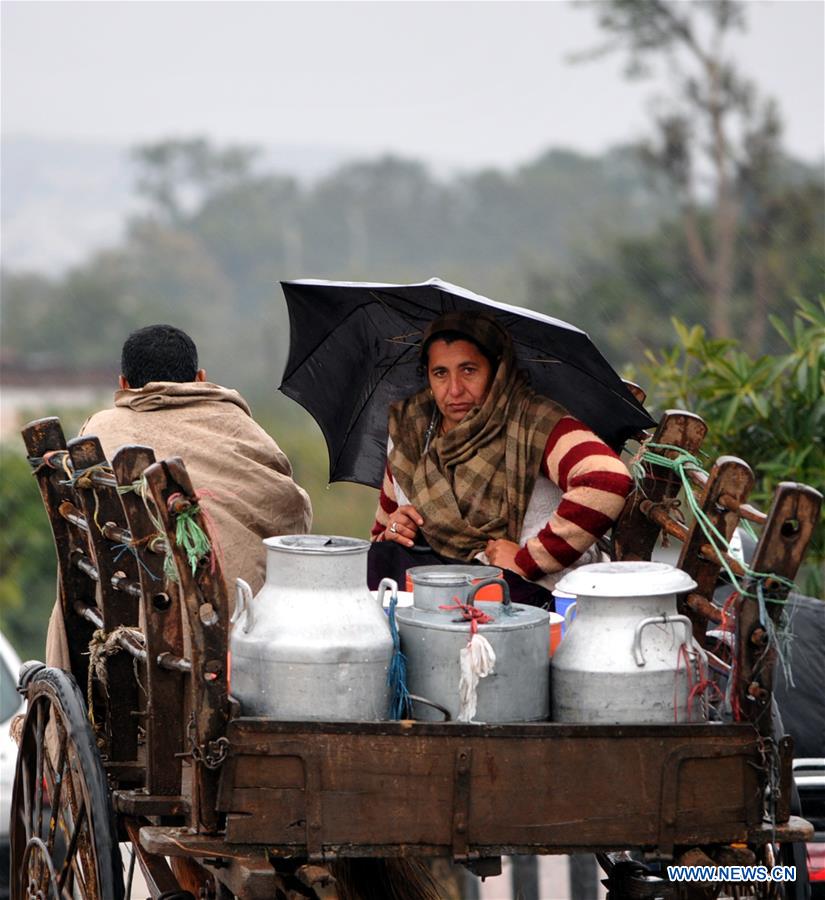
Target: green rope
<point>191,537</point>
<point>681,463</point>
<point>778,637</point>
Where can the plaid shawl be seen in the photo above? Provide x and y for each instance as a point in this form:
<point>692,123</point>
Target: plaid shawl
<point>474,483</point>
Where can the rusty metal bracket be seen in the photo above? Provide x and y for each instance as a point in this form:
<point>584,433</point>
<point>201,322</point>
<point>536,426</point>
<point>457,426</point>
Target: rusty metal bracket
<point>483,866</point>
<point>212,754</point>
<point>461,802</point>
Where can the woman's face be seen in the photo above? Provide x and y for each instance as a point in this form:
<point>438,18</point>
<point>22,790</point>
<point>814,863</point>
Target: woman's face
<point>459,376</point>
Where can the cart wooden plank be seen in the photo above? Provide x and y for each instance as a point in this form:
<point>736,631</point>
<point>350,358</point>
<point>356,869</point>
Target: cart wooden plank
<point>387,788</point>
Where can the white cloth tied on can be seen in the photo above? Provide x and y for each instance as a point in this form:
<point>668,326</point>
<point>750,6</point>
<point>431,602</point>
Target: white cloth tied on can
<point>477,660</point>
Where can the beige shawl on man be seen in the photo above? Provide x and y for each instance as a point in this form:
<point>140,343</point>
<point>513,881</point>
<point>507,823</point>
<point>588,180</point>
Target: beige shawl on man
<point>251,494</point>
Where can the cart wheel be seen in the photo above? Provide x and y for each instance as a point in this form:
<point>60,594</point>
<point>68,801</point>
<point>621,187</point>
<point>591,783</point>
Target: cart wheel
<point>63,835</point>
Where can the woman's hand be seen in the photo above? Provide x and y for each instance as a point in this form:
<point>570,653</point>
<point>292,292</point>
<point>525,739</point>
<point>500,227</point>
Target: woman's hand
<point>503,554</point>
<point>403,525</point>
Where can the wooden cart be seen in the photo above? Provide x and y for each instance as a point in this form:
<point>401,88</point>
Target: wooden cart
<point>143,743</point>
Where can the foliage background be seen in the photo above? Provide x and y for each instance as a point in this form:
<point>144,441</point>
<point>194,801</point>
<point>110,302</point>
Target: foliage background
<point>768,410</point>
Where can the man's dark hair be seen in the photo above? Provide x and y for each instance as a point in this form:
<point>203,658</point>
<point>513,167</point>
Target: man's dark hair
<point>158,353</point>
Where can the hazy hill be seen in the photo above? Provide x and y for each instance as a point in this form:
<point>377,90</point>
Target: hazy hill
<point>62,200</point>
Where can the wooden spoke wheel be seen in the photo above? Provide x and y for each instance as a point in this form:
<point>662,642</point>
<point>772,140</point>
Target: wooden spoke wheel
<point>63,835</point>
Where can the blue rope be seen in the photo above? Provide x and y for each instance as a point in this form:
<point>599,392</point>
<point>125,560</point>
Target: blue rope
<point>400,703</point>
<point>119,549</point>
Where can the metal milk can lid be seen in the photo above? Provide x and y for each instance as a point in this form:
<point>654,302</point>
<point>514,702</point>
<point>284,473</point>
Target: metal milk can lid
<point>626,579</point>
<point>449,575</point>
<point>318,544</point>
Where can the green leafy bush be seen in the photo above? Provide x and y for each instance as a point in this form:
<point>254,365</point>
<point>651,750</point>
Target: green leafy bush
<point>770,411</point>
<point>28,568</point>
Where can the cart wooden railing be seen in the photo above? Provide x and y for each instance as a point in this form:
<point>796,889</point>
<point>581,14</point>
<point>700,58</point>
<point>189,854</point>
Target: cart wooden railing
<point>787,529</point>
<point>266,806</point>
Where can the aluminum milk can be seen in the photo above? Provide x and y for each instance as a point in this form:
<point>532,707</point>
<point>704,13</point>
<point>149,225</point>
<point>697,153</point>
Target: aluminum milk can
<point>313,644</point>
<point>628,656</point>
<point>518,689</point>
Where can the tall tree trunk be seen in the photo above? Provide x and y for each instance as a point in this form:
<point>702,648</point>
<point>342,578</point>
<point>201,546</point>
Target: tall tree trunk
<point>724,220</point>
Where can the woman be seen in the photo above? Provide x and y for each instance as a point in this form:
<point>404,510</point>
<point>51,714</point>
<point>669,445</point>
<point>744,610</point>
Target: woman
<point>480,467</point>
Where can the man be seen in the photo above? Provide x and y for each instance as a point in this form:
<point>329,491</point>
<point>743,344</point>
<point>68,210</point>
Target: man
<point>165,402</point>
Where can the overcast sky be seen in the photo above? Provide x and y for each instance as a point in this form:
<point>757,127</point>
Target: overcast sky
<point>462,83</point>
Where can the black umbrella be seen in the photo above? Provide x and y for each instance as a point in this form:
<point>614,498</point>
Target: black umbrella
<point>353,350</point>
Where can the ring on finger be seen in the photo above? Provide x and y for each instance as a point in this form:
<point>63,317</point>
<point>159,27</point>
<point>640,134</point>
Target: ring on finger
<point>394,528</point>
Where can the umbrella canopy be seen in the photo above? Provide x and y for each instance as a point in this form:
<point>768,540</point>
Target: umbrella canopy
<point>354,349</point>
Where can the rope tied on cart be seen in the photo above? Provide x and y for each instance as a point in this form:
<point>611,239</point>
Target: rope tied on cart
<point>189,534</point>
<point>101,647</point>
<point>155,543</point>
<point>132,547</point>
<point>704,690</point>
<point>81,478</point>
<point>142,488</point>
<point>51,459</point>
<point>476,659</point>
<point>138,487</point>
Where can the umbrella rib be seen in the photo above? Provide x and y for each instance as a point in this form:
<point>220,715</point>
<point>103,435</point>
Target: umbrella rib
<point>312,350</point>
<point>367,399</point>
<point>349,315</point>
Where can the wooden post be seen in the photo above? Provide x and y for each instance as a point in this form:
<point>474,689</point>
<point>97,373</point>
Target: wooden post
<point>41,437</point>
<point>101,506</point>
<point>205,601</point>
<point>730,477</point>
<point>791,522</point>
<point>163,633</point>
<point>635,534</point>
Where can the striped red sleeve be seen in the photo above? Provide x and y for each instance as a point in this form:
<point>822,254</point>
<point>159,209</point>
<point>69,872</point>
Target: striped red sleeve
<point>387,504</point>
<point>594,482</point>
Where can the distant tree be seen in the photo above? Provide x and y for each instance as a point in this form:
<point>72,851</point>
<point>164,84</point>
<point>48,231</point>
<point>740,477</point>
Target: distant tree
<point>624,289</point>
<point>712,128</point>
<point>29,300</point>
<point>374,214</point>
<point>177,175</point>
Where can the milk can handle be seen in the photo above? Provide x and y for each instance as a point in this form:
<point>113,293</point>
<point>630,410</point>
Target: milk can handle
<point>437,706</point>
<point>505,589</point>
<point>386,584</point>
<point>659,620</point>
<point>568,617</point>
<point>243,604</point>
